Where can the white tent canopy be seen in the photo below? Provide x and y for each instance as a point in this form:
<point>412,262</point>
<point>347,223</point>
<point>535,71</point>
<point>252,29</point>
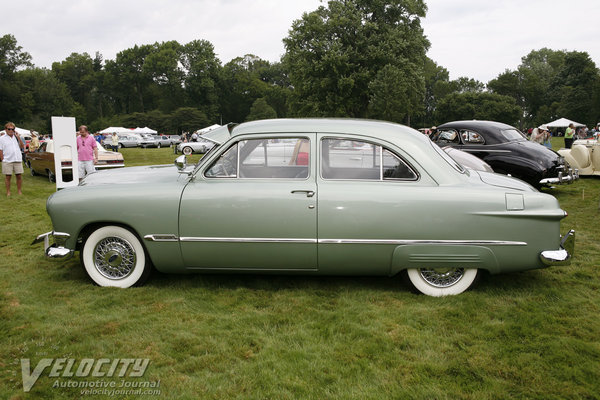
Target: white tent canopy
<point>144,130</point>
<point>562,123</point>
<point>20,131</point>
<point>115,129</point>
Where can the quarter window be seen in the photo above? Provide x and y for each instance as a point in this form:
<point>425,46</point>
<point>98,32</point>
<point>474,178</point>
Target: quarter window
<point>350,159</point>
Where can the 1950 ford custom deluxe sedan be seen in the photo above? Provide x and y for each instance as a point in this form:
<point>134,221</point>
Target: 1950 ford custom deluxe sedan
<point>309,196</point>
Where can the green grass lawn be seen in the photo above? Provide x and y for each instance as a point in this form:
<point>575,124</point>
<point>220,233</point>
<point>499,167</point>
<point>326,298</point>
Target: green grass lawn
<point>521,335</point>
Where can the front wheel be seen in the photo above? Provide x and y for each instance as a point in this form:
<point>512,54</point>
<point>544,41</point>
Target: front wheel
<point>158,145</point>
<point>114,256</point>
<point>442,281</point>
<point>187,150</point>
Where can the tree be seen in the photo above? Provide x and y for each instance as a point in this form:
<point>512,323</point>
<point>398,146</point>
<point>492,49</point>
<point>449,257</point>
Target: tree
<point>484,106</point>
<point>241,85</point>
<point>336,57</point>
<point>261,110</point>
<point>202,69</point>
<point>44,96</point>
<point>12,57</point>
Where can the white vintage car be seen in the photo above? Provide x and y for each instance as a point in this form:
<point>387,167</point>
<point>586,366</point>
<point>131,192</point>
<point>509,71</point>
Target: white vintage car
<point>584,156</point>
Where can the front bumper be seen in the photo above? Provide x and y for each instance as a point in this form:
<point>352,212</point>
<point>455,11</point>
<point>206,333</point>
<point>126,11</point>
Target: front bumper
<point>570,176</point>
<point>55,250</point>
<point>563,255</point>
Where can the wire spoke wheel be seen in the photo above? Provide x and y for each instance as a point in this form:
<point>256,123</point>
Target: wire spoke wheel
<point>114,258</point>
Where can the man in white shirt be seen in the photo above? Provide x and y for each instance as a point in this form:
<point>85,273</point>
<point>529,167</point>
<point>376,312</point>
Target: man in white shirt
<point>11,146</point>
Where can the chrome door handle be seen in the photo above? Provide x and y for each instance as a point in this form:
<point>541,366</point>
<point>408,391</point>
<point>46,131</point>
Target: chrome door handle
<point>309,193</point>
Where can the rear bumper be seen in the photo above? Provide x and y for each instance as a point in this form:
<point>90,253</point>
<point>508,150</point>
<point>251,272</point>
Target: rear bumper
<point>563,255</point>
<point>54,250</point>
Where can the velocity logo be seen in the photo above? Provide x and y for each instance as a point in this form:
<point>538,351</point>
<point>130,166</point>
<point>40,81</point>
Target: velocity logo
<point>70,367</point>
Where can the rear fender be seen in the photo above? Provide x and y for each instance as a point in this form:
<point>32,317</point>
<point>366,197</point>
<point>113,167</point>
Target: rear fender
<point>443,256</point>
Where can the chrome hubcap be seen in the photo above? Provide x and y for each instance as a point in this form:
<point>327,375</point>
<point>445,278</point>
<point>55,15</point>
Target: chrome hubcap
<point>442,277</point>
<point>114,258</point>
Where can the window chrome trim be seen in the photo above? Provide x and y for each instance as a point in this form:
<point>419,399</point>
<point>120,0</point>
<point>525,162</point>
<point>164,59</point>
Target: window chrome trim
<point>353,241</point>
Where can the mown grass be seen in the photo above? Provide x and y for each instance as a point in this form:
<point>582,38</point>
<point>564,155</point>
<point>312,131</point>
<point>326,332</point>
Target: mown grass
<point>522,335</point>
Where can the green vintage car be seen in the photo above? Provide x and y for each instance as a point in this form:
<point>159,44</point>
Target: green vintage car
<point>309,196</point>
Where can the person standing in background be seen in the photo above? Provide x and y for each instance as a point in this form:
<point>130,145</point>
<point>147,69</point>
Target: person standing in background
<point>569,136</point>
<point>11,148</point>
<point>87,152</point>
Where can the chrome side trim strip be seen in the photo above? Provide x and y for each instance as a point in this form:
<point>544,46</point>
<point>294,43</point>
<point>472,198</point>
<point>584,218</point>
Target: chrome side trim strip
<point>246,240</point>
<point>353,241</point>
<point>161,238</point>
<point>407,242</point>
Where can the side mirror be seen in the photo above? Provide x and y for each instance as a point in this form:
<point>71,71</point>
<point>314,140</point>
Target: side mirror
<point>181,163</point>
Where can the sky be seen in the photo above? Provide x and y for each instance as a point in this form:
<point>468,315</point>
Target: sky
<point>474,38</point>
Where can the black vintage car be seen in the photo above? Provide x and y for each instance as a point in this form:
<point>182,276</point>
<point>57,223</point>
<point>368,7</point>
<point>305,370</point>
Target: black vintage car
<point>507,150</point>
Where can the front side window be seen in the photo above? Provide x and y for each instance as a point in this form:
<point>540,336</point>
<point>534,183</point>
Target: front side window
<point>446,136</point>
<point>270,158</point>
<point>349,159</point>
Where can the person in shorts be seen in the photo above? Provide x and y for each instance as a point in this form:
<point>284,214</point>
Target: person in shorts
<point>11,147</point>
<point>87,152</point>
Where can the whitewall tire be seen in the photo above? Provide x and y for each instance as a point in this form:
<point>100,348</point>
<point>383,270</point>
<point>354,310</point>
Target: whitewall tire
<point>187,151</point>
<point>442,281</point>
<point>114,256</point>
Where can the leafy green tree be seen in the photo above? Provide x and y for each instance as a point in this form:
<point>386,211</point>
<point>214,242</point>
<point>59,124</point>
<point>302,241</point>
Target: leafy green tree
<point>261,110</point>
<point>12,57</point>
<point>162,65</point>
<point>45,96</point>
<point>202,69</point>
<point>576,85</point>
<point>483,106</point>
<point>241,85</point>
<point>126,81</point>
<point>188,119</point>
<point>335,56</point>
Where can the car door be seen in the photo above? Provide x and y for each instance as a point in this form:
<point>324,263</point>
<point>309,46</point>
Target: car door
<point>253,207</point>
<point>369,198</point>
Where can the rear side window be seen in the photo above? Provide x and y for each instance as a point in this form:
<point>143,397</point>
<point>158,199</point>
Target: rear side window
<point>351,159</point>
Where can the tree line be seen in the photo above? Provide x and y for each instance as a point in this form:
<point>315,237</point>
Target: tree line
<point>348,58</point>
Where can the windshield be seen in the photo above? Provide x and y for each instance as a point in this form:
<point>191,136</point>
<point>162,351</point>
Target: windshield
<point>513,134</point>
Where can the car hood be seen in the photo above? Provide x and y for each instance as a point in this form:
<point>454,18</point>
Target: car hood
<point>503,181</point>
<point>132,175</point>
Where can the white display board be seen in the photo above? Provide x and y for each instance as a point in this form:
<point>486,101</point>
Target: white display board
<point>64,135</point>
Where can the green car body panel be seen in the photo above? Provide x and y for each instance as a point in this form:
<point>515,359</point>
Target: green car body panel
<point>443,217</point>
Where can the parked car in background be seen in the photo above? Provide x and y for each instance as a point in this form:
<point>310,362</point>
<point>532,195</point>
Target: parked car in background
<point>506,150</point>
<point>584,155</point>
<point>41,161</point>
<point>200,146</point>
<point>125,140</point>
<point>163,141</point>
<point>148,141</point>
<point>311,196</point>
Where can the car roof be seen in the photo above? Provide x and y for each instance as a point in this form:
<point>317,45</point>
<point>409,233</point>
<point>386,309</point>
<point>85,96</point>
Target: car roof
<point>380,129</point>
<point>476,124</point>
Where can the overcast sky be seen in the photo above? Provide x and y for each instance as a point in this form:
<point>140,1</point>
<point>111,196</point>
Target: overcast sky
<point>474,38</point>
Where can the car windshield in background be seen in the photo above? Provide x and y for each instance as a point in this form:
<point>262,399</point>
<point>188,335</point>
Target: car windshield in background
<point>513,134</point>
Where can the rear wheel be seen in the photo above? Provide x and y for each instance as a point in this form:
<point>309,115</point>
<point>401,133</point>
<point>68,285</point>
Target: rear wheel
<point>158,145</point>
<point>442,281</point>
<point>51,176</point>
<point>187,150</point>
<point>114,256</point>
